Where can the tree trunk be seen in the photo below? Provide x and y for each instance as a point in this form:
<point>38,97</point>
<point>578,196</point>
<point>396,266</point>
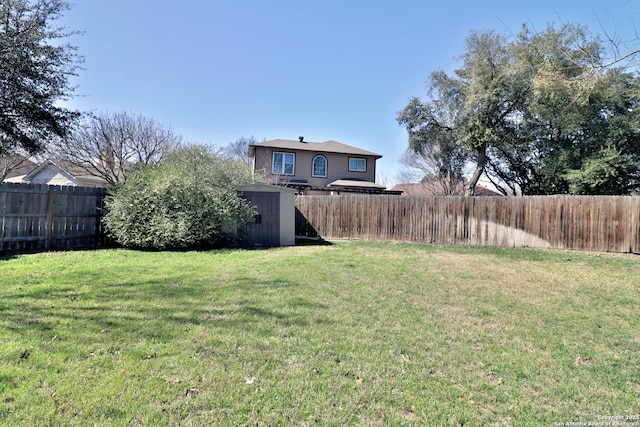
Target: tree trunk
<point>481,162</point>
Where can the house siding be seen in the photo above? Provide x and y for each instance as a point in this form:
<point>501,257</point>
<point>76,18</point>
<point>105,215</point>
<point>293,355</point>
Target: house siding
<point>337,166</point>
<point>53,175</point>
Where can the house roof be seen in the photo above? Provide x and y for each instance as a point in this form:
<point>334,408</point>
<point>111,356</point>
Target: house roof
<point>356,184</point>
<point>325,147</point>
<point>21,166</point>
<point>437,188</point>
<point>65,167</point>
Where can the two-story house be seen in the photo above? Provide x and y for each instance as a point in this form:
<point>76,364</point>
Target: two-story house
<point>316,167</point>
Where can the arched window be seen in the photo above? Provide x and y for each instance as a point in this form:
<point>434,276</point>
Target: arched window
<point>319,166</point>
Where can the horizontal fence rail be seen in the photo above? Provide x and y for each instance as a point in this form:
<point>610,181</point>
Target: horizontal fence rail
<point>588,223</point>
<point>43,217</point>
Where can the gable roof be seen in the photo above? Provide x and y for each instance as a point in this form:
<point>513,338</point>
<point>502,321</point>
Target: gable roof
<point>324,147</point>
<point>72,171</point>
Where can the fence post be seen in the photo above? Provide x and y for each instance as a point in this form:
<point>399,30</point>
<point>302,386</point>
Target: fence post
<point>50,205</point>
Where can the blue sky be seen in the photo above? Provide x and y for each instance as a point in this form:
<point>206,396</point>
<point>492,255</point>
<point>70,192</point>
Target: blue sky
<point>325,69</point>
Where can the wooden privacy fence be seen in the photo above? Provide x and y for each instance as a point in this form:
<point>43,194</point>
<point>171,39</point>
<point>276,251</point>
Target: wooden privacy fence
<point>41,217</point>
<point>38,216</point>
<point>591,223</point>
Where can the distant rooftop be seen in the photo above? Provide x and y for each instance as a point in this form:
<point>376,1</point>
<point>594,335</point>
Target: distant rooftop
<point>440,188</point>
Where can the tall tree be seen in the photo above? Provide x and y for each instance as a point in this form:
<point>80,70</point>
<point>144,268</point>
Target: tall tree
<point>574,107</point>
<point>532,109</point>
<point>466,112</point>
<point>110,145</point>
<point>35,70</point>
<point>433,152</point>
<point>490,98</point>
<point>555,71</point>
<point>610,150</point>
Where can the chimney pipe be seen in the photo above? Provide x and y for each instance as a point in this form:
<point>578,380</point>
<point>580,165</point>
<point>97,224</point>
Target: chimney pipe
<point>301,138</point>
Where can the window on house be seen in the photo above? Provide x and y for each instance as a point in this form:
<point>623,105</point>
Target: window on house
<point>357,164</point>
<point>283,163</point>
<point>319,166</point>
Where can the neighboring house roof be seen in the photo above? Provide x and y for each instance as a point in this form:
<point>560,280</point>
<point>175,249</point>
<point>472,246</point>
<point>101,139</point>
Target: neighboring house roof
<point>356,184</point>
<point>437,188</point>
<point>301,145</point>
<point>16,179</point>
<point>60,173</point>
<point>22,167</point>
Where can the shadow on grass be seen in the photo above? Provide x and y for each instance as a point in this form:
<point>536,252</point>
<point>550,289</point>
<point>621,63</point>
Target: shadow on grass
<point>10,255</point>
<point>156,309</point>
<point>312,241</point>
<point>7,256</point>
<point>299,241</point>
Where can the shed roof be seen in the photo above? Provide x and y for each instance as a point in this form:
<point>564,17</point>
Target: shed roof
<point>267,188</point>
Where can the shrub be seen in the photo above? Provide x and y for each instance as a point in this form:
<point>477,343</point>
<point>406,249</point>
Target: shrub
<point>189,200</point>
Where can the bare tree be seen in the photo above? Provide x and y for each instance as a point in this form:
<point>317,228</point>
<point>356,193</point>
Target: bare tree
<point>414,168</point>
<point>427,168</point>
<point>382,178</point>
<point>238,150</point>
<point>110,145</point>
<point>14,163</point>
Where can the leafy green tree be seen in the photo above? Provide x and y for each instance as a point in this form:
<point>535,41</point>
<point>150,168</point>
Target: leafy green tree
<point>188,200</point>
<point>531,109</point>
<point>432,153</point>
<point>607,172</point>
<point>576,110</point>
<point>466,112</point>
<point>35,68</point>
<point>553,72</point>
<point>614,138</point>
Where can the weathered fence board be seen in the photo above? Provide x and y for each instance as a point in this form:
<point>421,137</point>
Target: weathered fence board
<point>41,217</point>
<point>591,223</point>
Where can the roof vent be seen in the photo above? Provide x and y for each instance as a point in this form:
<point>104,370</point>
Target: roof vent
<point>301,138</point>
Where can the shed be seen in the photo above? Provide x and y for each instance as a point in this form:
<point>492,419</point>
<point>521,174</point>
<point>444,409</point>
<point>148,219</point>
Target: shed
<point>274,223</point>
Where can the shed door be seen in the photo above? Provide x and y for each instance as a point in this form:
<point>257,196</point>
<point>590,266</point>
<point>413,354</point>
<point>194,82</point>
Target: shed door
<point>265,230</point>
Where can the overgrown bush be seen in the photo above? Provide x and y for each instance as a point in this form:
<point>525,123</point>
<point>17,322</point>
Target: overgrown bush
<point>189,200</point>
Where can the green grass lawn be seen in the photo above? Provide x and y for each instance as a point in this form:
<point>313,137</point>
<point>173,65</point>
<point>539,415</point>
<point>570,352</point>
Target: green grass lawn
<point>353,333</point>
